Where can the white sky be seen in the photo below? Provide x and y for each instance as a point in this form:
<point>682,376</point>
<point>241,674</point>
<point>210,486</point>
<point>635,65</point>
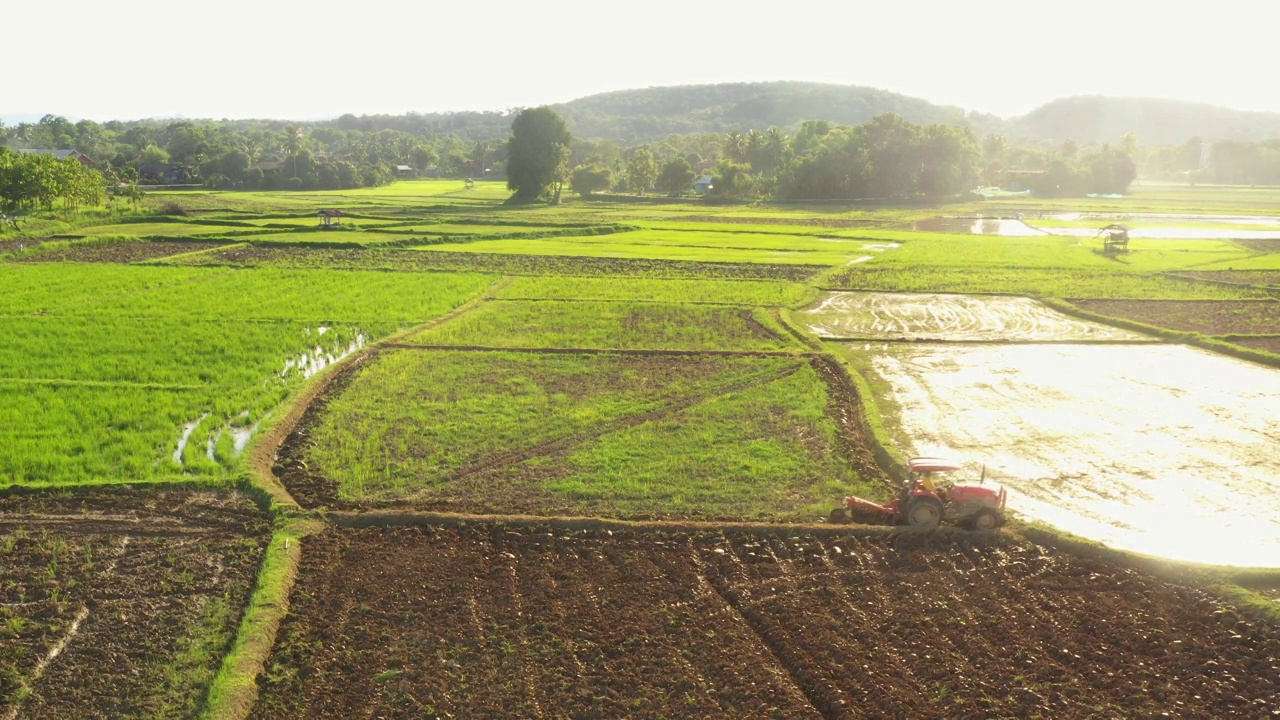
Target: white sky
<point>305,60</point>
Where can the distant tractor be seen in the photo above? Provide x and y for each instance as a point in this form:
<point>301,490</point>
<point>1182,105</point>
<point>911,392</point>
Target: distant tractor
<point>926,501</point>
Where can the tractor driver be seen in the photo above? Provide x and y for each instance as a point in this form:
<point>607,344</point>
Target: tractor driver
<point>938,488</point>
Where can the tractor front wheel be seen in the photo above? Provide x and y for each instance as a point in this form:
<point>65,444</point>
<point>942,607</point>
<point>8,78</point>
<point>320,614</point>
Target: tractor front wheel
<point>924,512</point>
<point>839,516</point>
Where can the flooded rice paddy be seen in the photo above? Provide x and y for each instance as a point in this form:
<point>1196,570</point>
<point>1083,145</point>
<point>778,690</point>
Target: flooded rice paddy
<point>941,316</point>
<point>1161,449</point>
<point>1165,450</point>
<point>1148,226</point>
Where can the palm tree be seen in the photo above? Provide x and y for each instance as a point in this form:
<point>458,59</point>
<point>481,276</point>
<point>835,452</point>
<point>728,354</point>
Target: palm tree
<point>774,148</point>
<point>293,142</point>
<point>735,147</point>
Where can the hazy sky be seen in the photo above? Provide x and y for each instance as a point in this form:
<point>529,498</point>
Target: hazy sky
<point>269,58</point>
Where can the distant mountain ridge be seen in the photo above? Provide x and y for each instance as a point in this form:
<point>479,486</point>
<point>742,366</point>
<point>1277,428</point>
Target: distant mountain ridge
<point>1153,121</point>
<point>630,116</point>
<point>651,113</point>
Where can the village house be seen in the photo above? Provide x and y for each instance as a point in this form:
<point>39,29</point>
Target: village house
<point>60,154</point>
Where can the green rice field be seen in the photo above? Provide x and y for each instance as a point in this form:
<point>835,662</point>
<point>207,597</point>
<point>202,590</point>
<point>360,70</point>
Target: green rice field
<point>447,355</point>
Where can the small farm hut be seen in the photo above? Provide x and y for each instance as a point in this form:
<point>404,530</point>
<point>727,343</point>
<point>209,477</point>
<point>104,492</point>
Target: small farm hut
<point>1115,238</point>
<point>329,218</point>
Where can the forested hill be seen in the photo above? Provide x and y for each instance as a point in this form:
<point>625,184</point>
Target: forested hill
<point>1097,119</point>
<point>630,116</point>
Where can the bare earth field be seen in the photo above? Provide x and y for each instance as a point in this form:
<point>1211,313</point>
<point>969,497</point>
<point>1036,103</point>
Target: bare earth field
<point>1266,278</point>
<point>1271,344</point>
<point>494,620</point>
<point>955,318</point>
<point>417,261</point>
<point>117,252</point>
<point>119,604</point>
<point>1211,317</point>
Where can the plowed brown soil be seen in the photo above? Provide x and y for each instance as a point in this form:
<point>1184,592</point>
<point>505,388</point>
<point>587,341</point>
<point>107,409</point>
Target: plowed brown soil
<point>1266,245</point>
<point>116,252</point>
<point>1212,317</point>
<point>1262,278</point>
<point>1270,344</point>
<point>490,620</point>
<point>421,261</point>
<point>158,580</point>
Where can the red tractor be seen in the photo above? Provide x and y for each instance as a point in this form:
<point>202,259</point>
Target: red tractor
<point>926,501</point>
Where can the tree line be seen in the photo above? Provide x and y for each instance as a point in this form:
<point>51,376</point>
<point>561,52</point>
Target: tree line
<point>260,154</point>
<point>42,182</point>
<point>887,158</point>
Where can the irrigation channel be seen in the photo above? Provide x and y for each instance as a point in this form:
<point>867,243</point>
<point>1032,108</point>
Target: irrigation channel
<point>1160,449</point>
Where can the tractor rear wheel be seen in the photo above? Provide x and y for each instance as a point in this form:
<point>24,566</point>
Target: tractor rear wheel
<point>983,520</point>
<point>924,512</point>
<point>839,516</point>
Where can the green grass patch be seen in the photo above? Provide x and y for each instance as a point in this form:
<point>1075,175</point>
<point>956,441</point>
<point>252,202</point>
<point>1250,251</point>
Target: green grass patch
<point>1033,282</point>
<point>732,292</point>
<point>610,325</point>
<point>620,247</point>
<point>761,452</point>
<point>107,366</point>
<point>624,435</point>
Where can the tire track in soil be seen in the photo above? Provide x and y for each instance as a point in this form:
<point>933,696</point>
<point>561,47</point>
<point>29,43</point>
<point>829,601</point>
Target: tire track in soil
<point>688,577</point>
<point>54,652</point>
<point>522,636</point>
<point>805,340</point>
<point>561,445</point>
<point>759,328</point>
<point>57,649</point>
<point>822,702</point>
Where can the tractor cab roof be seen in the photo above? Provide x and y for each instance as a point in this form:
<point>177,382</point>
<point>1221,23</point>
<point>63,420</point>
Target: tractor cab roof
<point>931,465</point>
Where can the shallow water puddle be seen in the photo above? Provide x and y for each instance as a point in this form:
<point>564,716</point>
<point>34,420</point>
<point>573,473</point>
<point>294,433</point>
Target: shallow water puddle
<point>1164,450</point>
<point>185,437</point>
<point>940,316</point>
<point>1006,227</point>
<point>318,358</point>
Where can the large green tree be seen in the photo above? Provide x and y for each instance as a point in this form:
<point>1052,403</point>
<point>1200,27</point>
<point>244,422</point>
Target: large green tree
<point>588,179</point>
<point>537,155</point>
<point>676,177</point>
<point>642,170</point>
